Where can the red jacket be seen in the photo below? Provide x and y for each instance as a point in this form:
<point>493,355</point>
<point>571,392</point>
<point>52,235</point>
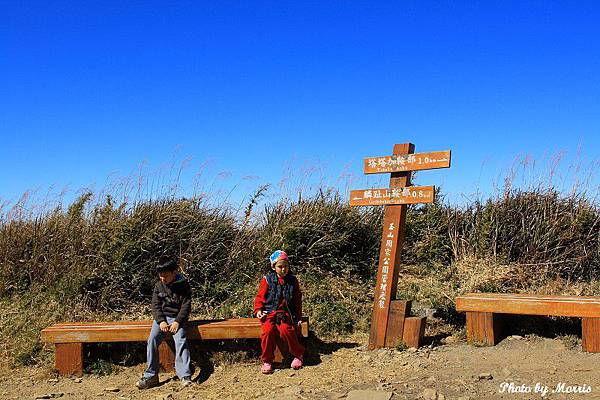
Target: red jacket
<point>261,297</point>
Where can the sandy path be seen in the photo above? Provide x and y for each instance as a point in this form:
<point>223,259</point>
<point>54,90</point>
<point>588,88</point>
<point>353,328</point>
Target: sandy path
<point>452,371</point>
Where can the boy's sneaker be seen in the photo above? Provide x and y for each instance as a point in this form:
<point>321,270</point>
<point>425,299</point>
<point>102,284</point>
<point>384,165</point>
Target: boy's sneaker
<point>147,383</point>
<point>186,381</point>
<point>297,363</point>
<point>266,368</point>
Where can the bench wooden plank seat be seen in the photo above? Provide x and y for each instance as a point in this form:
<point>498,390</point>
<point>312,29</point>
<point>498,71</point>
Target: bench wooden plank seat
<point>483,324</point>
<point>69,337</point>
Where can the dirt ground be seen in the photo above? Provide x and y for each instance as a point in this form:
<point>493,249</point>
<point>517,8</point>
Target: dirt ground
<point>453,370</point>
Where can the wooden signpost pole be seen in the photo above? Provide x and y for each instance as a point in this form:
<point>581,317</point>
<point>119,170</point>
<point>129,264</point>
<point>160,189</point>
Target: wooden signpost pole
<point>392,238</point>
<point>390,322</point>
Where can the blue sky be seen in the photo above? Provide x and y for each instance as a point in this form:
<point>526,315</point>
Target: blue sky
<point>245,93</point>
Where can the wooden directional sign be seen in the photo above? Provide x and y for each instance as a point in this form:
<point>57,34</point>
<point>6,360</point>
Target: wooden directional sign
<point>395,198</point>
<point>396,195</point>
<point>407,162</point>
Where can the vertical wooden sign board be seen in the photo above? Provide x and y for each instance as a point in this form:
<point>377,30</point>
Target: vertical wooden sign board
<point>392,237</point>
<point>388,314</point>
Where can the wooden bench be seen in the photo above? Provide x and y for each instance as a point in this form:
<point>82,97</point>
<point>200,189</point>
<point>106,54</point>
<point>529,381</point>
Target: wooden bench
<point>68,338</point>
<point>483,324</point>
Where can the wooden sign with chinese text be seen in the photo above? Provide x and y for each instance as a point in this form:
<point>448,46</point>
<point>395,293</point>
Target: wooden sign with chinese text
<point>396,195</point>
<point>407,162</point>
<point>395,198</point>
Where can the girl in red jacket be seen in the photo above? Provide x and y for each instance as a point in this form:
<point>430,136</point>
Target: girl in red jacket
<point>278,304</point>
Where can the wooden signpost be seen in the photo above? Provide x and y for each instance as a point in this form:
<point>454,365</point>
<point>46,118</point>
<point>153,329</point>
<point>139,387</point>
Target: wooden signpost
<point>389,323</point>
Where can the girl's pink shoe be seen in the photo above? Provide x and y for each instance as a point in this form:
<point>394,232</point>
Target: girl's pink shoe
<point>266,368</point>
<point>297,363</point>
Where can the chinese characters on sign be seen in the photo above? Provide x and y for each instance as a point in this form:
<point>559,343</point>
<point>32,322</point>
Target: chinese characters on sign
<point>385,265</point>
<point>395,195</point>
<point>407,162</point>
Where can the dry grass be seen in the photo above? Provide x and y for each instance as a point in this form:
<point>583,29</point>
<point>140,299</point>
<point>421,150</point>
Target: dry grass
<point>95,259</point>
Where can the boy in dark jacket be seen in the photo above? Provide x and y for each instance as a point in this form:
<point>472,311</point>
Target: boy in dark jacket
<point>278,304</point>
<point>171,306</point>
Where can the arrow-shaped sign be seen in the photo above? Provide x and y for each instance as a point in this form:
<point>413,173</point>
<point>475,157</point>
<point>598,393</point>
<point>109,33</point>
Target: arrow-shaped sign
<point>385,196</point>
<point>407,162</point>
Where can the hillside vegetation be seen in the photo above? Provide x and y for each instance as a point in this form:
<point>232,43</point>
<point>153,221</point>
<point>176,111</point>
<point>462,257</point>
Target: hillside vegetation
<point>94,260</point>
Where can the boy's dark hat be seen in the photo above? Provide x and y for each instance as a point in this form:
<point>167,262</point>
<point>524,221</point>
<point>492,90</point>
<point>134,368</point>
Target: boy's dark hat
<point>170,265</point>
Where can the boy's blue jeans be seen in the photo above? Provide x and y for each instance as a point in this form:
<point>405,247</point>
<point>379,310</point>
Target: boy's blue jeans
<point>182,352</point>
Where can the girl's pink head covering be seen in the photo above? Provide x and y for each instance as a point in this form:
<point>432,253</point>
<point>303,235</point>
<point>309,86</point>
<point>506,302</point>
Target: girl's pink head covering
<point>277,256</point>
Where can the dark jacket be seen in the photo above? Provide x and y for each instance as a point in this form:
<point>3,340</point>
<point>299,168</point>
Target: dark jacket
<point>172,300</point>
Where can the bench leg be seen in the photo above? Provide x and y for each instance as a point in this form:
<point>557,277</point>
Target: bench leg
<point>69,358</point>
<point>281,349</point>
<point>166,355</point>
<point>590,334</point>
<point>483,328</point>
<point>279,354</point>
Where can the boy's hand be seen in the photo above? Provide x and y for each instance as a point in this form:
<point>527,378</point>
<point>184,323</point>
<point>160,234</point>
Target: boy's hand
<point>164,327</point>
<point>261,314</point>
<point>174,327</point>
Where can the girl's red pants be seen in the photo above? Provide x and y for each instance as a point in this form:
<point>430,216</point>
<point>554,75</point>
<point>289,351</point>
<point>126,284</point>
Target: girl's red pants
<point>284,331</point>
